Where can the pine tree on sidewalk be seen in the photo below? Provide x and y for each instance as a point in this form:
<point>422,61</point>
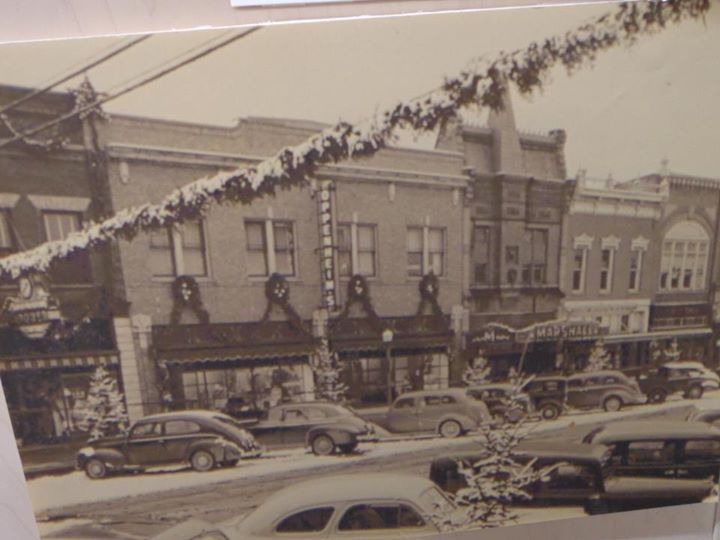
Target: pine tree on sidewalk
<point>599,358</point>
<point>104,410</point>
<point>328,375</point>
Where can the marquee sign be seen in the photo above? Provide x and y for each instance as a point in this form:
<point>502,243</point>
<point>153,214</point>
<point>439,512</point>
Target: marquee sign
<point>495,334</point>
<point>33,310</point>
<point>327,249</point>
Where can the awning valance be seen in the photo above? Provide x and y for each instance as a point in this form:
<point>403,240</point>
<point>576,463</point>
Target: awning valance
<point>59,361</point>
<point>658,334</point>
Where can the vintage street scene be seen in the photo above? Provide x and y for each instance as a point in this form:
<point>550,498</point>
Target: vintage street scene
<point>251,287</point>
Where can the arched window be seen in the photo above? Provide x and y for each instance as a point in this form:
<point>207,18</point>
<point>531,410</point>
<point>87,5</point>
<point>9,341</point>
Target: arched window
<point>684,257</point>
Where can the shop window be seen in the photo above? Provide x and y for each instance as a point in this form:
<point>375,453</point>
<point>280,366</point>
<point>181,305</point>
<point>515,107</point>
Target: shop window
<point>7,238</point>
<point>356,249</point>
<point>684,257</point>
<point>425,251</point>
<point>313,520</point>
<point>179,250</point>
<point>76,268</point>
<point>481,254</point>
<point>270,247</point>
<point>379,516</point>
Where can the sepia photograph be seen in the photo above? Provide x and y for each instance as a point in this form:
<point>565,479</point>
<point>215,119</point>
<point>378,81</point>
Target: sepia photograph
<point>387,278</point>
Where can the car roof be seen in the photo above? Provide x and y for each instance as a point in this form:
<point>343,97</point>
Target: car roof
<point>639,431</point>
<point>446,391</point>
<point>490,386</point>
<point>182,415</point>
<point>602,373</point>
<point>550,449</point>
<point>334,489</point>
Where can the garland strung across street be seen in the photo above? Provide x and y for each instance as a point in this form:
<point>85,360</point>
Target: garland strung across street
<point>482,85</point>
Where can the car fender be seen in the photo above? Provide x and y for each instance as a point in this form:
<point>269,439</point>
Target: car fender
<point>622,395</point>
<point>215,446</point>
<point>112,458</point>
<point>339,435</point>
<point>465,421</point>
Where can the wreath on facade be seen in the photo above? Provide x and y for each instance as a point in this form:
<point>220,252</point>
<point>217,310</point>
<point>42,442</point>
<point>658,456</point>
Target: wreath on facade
<point>429,288</point>
<point>358,292</point>
<point>186,294</point>
<point>277,292</point>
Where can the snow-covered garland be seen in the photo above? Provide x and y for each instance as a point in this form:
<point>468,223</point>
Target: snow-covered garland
<point>483,85</point>
<point>50,145</point>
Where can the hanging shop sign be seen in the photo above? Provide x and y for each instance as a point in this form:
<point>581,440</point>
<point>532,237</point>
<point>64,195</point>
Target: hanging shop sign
<point>560,330</point>
<point>33,310</point>
<point>327,251</point>
<point>494,334</point>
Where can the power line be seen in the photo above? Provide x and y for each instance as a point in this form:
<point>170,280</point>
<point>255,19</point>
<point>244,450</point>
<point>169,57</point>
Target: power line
<point>73,74</point>
<point>132,87</point>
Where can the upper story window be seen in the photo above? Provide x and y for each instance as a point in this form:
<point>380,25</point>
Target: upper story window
<point>356,249</point>
<point>581,248</point>
<point>425,251</point>
<point>684,257</point>
<point>535,271</point>
<point>638,247</point>
<point>76,268</point>
<point>609,247</point>
<point>481,254</point>
<point>270,247</point>
<point>7,238</point>
<point>179,250</point>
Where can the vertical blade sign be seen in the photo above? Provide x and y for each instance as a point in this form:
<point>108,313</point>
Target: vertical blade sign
<point>327,246</point>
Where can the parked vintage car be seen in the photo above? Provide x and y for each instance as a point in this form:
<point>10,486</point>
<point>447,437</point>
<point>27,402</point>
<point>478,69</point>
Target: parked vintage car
<point>711,380</point>
<point>203,439</point>
<point>668,449</point>
<point>323,426</point>
<point>547,395</point>
<point>378,506</point>
<point>502,400</point>
<point>657,384</point>
<point>709,416</point>
<point>449,412</point>
<point>577,477</point>
<point>609,390</point>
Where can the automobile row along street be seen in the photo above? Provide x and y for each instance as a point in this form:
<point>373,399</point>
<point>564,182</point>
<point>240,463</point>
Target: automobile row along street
<point>136,506</point>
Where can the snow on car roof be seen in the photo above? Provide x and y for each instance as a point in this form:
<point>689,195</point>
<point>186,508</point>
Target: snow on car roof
<point>183,414</point>
<point>601,373</point>
<point>334,489</point>
<point>639,431</point>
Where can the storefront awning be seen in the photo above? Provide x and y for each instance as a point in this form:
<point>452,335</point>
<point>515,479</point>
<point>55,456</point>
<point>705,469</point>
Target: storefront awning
<point>234,355</point>
<point>59,361</point>
<point>659,334</point>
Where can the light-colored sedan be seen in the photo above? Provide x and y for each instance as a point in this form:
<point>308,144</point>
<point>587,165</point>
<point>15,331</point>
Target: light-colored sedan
<point>377,506</point>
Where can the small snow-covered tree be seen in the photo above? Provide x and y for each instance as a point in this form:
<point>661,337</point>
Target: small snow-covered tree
<point>103,412</point>
<point>328,375</point>
<point>672,352</point>
<point>478,372</point>
<point>599,358</point>
<point>496,480</point>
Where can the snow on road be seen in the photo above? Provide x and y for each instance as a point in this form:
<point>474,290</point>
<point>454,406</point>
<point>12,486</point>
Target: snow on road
<point>54,492</point>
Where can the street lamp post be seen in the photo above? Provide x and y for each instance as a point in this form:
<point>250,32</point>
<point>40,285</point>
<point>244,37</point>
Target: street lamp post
<point>387,337</point>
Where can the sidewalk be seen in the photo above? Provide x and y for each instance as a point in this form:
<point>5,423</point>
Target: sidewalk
<point>49,459</point>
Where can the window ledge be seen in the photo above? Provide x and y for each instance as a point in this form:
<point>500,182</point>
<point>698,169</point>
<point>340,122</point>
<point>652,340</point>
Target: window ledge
<point>168,279</point>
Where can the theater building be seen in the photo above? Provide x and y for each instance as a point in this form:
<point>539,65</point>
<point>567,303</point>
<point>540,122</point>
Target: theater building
<point>54,329</point>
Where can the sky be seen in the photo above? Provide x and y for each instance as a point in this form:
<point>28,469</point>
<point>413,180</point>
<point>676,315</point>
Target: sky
<point>634,108</point>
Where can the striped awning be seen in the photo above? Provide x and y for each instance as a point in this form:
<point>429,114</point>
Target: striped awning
<point>59,361</point>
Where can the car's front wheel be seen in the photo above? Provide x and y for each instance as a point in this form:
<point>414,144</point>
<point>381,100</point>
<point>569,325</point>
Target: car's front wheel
<point>95,469</point>
<point>694,392</point>
<point>658,395</point>
<point>323,445</point>
<point>549,411</point>
<point>202,461</point>
<point>612,404</point>
<point>450,429</point>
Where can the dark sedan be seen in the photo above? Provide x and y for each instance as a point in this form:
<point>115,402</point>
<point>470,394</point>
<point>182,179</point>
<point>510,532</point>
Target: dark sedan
<point>323,426</point>
<point>202,439</point>
<point>577,474</point>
